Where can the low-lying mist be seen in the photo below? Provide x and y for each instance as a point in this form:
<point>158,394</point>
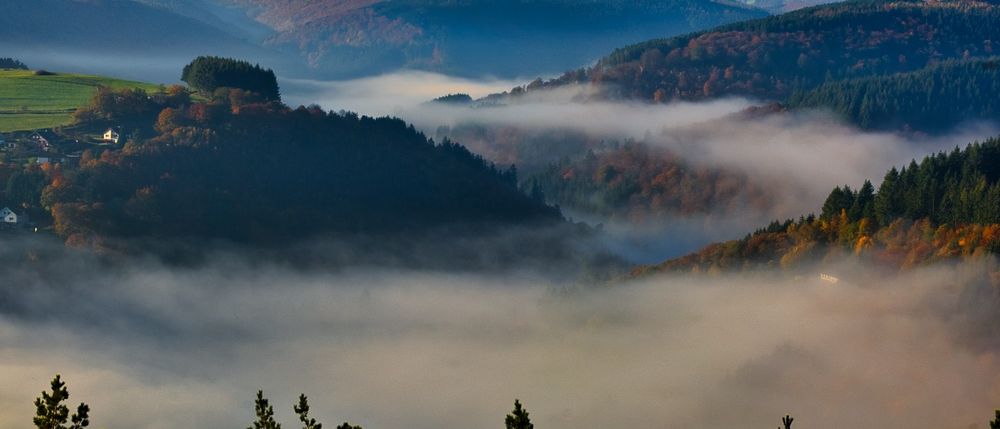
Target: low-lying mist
<point>798,157</point>
<point>149,346</point>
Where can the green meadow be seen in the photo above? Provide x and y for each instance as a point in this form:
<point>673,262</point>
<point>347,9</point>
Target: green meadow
<point>29,101</point>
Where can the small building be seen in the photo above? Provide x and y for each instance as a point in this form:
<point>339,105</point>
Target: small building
<point>42,141</point>
<point>111,136</point>
<point>9,218</point>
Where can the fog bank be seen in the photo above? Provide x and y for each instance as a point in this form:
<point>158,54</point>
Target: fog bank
<point>800,156</point>
<point>152,347</point>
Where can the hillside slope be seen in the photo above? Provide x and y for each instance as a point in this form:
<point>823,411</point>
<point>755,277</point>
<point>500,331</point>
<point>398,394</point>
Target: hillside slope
<point>29,101</point>
<point>945,207</point>
<point>772,57</point>
<point>246,170</point>
<point>637,182</point>
<point>932,99</point>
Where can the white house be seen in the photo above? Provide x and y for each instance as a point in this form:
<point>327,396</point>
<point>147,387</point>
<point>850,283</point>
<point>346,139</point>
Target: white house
<point>36,136</point>
<point>111,136</point>
<point>43,143</point>
<point>8,217</point>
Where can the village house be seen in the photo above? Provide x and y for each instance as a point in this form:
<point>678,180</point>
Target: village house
<point>7,144</point>
<point>111,136</point>
<point>42,142</point>
<point>9,218</point>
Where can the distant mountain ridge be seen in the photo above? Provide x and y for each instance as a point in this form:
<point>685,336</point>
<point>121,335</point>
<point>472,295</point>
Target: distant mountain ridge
<point>143,40</point>
<point>120,25</point>
<point>348,38</point>
<point>481,37</point>
<point>770,58</point>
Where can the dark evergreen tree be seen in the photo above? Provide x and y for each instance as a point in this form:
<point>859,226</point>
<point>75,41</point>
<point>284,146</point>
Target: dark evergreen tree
<point>995,423</point>
<point>10,63</point>
<point>302,409</point>
<point>518,419</point>
<point>51,413</point>
<point>839,199</point>
<point>886,201</point>
<point>207,74</point>
<point>864,202</point>
<point>265,414</point>
<point>787,421</point>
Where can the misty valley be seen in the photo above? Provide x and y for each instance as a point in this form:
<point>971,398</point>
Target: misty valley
<point>449,214</point>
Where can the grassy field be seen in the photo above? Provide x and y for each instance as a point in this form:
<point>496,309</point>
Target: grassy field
<point>29,102</point>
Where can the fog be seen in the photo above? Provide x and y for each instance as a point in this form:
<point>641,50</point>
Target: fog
<point>801,156</point>
<point>796,157</point>
<point>813,147</point>
<point>164,68</point>
<point>149,346</point>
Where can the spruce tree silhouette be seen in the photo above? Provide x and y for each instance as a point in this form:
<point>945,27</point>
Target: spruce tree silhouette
<point>519,418</point>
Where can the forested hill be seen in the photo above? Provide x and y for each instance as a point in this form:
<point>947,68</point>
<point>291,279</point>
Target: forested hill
<point>931,99</point>
<point>947,206</point>
<point>772,57</point>
<point>638,182</point>
<point>243,169</point>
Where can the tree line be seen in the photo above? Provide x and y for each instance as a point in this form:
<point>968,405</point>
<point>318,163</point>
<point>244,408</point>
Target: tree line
<point>209,73</point>
<point>11,63</point>
<point>932,99</point>
<point>52,413</point>
<point>946,206</point>
<point>960,186</point>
